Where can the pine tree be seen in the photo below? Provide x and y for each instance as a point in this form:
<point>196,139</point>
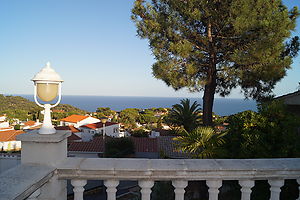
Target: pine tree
<point>217,45</point>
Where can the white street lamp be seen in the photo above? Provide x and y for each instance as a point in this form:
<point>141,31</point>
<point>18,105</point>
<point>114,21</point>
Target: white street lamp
<point>103,121</point>
<point>47,85</point>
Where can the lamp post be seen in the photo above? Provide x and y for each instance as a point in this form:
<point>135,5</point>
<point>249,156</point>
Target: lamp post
<point>103,121</point>
<point>47,86</point>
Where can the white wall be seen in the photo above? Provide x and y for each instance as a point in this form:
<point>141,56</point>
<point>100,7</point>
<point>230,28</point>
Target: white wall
<point>2,118</point>
<point>86,134</point>
<point>89,120</point>
<point>112,131</point>
<point>4,124</point>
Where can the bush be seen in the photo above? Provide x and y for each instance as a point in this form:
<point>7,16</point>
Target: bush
<point>139,133</point>
<point>119,148</point>
<point>17,127</point>
<point>270,133</point>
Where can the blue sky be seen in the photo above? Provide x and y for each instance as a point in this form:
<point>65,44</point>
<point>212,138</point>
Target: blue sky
<point>92,44</point>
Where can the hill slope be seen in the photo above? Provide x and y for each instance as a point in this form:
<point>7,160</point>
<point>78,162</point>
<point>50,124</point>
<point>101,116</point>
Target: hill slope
<point>22,108</point>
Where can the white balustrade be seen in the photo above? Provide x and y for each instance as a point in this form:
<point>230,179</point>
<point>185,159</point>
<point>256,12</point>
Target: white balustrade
<point>213,188</point>
<point>275,188</point>
<point>246,188</point>
<point>179,185</point>
<point>111,188</point>
<point>78,188</point>
<point>34,196</point>
<point>146,186</point>
<point>145,171</point>
<point>298,180</point>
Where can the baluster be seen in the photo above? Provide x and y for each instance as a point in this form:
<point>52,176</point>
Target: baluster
<point>246,188</point>
<point>146,189</point>
<point>179,189</point>
<point>78,188</point>
<point>298,180</point>
<point>275,188</point>
<point>111,188</point>
<point>34,195</point>
<point>213,188</point>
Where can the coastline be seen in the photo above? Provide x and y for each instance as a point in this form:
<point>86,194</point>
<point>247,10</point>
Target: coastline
<point>222,106</point>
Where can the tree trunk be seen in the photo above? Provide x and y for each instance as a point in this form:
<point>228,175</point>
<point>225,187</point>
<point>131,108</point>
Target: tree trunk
<point>210,86</point>
<point>208,101</point>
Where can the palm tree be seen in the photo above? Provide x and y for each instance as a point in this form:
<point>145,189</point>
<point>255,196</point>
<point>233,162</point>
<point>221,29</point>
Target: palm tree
<point>202,142</point>
<point>185,115</point>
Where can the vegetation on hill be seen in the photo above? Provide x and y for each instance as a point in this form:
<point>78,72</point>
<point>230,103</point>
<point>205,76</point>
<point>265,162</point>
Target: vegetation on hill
<point>21,108</point>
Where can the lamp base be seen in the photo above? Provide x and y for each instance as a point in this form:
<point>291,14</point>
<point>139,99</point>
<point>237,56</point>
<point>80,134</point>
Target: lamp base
<point>47,127</point>
<point>47,130</point>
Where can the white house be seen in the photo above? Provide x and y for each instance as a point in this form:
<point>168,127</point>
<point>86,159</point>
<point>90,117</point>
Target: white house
<point>31,124</point>
<point>2,118</point>
<point>3,123</point>
<point>8,140</point>
<point>78,120</point>
<point>111,129</point>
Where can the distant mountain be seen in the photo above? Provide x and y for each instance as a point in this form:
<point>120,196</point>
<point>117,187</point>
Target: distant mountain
<point>22,108</point>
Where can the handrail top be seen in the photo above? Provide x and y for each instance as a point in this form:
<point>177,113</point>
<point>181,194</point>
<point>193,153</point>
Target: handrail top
<point>137,164</point>
<point>169,169</point>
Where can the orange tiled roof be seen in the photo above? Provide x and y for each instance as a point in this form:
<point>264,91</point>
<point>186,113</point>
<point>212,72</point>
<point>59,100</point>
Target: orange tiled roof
<point>74,118</point>
<point>29,123</point>
<point>98,125</point>
<point>9,135</point>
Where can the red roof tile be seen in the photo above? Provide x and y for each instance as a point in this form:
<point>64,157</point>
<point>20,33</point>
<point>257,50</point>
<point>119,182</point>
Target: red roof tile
<point>68,128</point>
<point>98,125</point>
<point>143,144</point>
<point>169,147</point>
<point>96,145</point>
<point>9,135</point>
<point>29,123</point>
<point>74,118</point>
<point>73,138</point>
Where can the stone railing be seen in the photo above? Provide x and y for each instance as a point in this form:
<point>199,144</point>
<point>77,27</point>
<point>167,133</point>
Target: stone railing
<point>146,171</point>
<point>46,154</point>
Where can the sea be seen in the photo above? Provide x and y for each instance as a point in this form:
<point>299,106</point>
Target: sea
<point>222,106</point>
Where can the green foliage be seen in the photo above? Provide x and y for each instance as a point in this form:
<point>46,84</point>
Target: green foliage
<point>185,114</point>
<point>270,133</point>
<point>148,117</point>
<point>140,133</point>
<point>17,127</point>
<point>119,147</point>
<point>17,107</point>
<point>216,45</point>
<point>129,116</point>
<point>105,112</point>
<point>23,109</point>
<point>202,142</point>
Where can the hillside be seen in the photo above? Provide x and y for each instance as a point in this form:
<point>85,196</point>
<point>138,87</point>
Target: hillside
<point>22,108</point>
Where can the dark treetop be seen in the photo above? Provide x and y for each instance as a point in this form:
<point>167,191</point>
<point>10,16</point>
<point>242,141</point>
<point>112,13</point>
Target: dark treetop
<point>217,45</point>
